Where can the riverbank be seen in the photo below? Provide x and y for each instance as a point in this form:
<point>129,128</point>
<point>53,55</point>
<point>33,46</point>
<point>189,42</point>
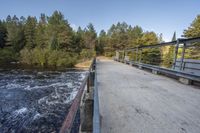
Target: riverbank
<point>84,65</point>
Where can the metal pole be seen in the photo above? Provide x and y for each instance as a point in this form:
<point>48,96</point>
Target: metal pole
<point>133,55</point>
<point>140,56</point>
<point>182,57</point>
<point>136,55</point>
<point>124,56</point>
<point>175,53</point>
<point>88,84</point>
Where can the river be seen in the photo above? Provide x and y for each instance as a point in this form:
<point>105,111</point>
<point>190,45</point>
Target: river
<point>36,101</point>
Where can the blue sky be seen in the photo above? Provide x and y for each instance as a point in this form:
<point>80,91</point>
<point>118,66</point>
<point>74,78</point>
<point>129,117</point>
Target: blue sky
<point>161,16</point>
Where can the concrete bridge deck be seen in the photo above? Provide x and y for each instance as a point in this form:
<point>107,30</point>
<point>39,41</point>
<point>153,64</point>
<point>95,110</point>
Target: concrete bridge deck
<point>136,101</point>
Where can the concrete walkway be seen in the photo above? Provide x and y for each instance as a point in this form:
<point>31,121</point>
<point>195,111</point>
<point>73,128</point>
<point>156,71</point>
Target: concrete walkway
<point>135,101</point>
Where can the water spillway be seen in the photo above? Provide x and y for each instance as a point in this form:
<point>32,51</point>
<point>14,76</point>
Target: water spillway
<point>36,101</point>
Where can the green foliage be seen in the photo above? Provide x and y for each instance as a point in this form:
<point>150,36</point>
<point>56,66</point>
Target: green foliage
<point>7,55</point>
<point>99,48</point>
<point>153,55</point>
<point>48,58</point>
<point>41,38</point>
<point>52,42</point>
<point>59,27</point>
<point>30,32</point>
<point>87,53</point>
<point>168,54</point>
<point>193,31</point>
<point>90,37</point>
<point>3,34</point>
<point>27,56</point>
<point>15,33</point>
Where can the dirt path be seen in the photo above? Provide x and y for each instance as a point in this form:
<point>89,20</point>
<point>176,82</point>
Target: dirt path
<point>135,101</point>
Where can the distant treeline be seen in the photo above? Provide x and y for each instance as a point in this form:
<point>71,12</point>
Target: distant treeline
<point>51,41</point>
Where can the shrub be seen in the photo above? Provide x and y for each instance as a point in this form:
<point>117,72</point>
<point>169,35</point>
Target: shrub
<point>26,56</point>
<point>8,55</point>
<point>87,54</point>
<point>48,58</point>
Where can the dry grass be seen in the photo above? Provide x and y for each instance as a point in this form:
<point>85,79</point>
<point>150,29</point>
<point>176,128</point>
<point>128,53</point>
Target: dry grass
<point>84,64</point>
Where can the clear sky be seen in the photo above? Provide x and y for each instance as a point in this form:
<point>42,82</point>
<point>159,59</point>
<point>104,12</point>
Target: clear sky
<point>161,16</point>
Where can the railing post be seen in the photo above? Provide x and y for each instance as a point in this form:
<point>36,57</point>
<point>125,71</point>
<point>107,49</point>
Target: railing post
<point>88,86</point>
<point>133,59</point>
<point>117,55</point>
<point>175,54</point>
<point>136,55</point>
<point>123,56</point>
<point>182,57</point>
<point>140,58</point>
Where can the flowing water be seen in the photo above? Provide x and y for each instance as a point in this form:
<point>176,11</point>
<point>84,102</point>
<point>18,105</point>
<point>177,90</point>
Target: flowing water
<point>36,101</point>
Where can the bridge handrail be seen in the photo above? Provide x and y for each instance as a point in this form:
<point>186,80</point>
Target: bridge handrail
<point>168,71</point>
<point>180,40</point>
<point>96,113</point>
<point>69,120</point>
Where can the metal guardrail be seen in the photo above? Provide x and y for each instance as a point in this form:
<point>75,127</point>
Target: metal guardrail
<point>167,71</point>
<point>181,63</point>
<point>96,113</point>
<point>69,120</point>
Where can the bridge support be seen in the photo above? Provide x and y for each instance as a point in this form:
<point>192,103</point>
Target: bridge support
<point>185,81</point>
<point>154,71</point>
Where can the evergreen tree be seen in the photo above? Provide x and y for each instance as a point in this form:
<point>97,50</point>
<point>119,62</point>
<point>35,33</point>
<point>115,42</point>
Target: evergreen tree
<point>59,27</point>
<point>169,54</point>
<point>41,35</point>
<point>54,43</point>
<point>15,33</point>
<point>3,34</point>
<point>78,41</point>
<point>102,40</point>
<point>90,37</point>
<point>30,32</point>
<point>193,31</point>
<point>152,55</point>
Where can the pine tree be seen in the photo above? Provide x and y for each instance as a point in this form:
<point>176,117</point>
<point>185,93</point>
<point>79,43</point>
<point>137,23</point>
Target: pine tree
<point>152,55</point>
<point>101,43</point>
<point>30,32</point>
<point>15,33</point>
<point>3,34</point>
<point>193,31</point>
<point>41,35</point>
<point>59,27</point>
<point>90,37</point>
<point>169,54</point>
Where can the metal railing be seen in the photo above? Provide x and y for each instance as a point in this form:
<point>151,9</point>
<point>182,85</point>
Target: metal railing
<point>179,66</point>
<point>90,79</point>
<point>96,113</point>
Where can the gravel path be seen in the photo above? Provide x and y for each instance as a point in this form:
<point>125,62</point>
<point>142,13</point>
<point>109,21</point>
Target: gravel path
<point>135,101</point>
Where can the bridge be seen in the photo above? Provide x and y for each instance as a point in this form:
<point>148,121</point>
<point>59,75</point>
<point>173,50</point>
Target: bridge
<point>129,96</point>
<point>135,101</point>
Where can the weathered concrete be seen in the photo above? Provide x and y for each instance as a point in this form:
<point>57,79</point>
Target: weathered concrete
<point>185,81</point>
<point>135,101</point>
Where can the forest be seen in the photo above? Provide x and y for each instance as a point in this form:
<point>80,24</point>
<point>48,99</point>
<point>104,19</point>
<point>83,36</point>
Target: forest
<point>52,42</point>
